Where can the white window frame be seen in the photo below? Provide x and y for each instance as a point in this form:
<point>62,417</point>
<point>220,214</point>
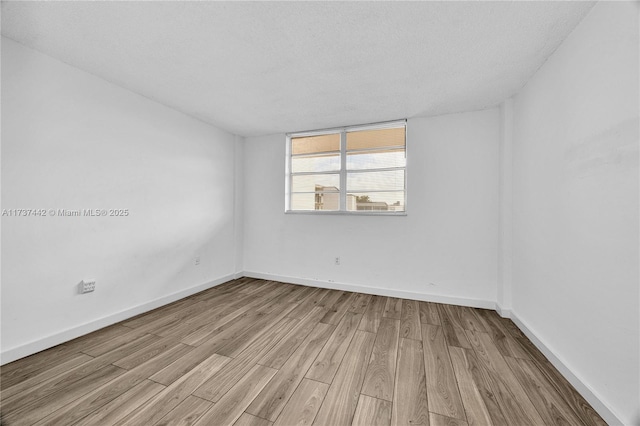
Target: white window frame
<point>343,169</point>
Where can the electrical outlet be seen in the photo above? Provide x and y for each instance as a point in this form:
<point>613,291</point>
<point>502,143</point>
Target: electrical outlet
<point>337,261</point>
<point>196,261</point>
<point>86,286</point>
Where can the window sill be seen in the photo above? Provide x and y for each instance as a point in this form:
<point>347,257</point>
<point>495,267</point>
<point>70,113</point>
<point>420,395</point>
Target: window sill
<point>343,213</point>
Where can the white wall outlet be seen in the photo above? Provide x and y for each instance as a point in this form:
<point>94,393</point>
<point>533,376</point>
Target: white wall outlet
<point>196,261</point>
<point>86,286</point>
<point>337,261</point>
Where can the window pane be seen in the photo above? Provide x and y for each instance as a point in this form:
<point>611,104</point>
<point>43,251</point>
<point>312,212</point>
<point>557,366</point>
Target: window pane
<point>365,139</point>
<point>316,201</point>
<point>376,201</point>
<point>392,180</point>
<point>315,144</point>
<point>376,160</point>
<point>314,183</point>
<point>316,163</point>
<point>374,170</point>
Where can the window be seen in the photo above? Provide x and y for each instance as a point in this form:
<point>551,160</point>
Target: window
<point>355,170</point>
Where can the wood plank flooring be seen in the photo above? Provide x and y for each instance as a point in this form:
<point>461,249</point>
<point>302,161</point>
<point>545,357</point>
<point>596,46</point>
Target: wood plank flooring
<point>256,352</point>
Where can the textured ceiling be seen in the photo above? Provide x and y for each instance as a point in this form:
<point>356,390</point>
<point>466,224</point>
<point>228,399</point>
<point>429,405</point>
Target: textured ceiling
<point>270,67</point>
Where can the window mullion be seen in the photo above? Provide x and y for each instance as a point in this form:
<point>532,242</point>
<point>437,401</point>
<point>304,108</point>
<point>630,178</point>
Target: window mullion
<point>378,148</point>
<point>329,172</point>
<point>343,171</point>
<point>386,169</point>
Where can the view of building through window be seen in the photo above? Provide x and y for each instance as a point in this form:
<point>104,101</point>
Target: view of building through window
<point>349,170</point>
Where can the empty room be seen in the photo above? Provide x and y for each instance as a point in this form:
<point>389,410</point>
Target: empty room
<point>320,213</point>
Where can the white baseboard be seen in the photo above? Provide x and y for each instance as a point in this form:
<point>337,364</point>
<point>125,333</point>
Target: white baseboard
<point>583,389</point>
<point>50,341</point>
<point>502,311</point>
<point>379,291</point>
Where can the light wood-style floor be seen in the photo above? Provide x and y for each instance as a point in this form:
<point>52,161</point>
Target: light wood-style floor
<point>255,352</point>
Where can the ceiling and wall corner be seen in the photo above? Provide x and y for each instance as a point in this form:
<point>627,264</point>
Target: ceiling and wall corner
<point>257,68</point>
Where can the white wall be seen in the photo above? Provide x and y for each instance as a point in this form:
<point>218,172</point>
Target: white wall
<point>73,141</point>
<point>445,249</point>
<point>575,213</point>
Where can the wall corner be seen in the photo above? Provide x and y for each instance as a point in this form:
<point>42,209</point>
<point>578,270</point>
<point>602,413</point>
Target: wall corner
<point>238,206</point>
<point>505,220</point>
